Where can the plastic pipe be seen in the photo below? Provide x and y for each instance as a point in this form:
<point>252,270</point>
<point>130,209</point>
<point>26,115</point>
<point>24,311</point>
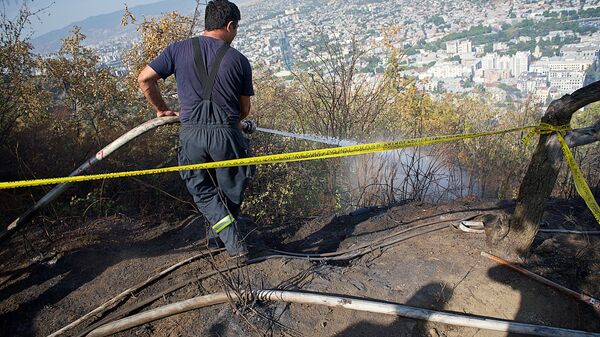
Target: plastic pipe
<point>339,302</point>
<point>107,150</point>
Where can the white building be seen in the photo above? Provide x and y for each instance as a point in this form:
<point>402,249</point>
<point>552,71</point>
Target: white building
<point>462,46</point>
<point>516,64</point>
<point>594,38</point>
<point>520,63</point>
<point>590,50</point>
<point>546,65</point>
<point>524,39</point>
<point>530,82</point>
<point>539,68</point>
<point>488,62</point>
<point>500,46</point>
<point>450,70</point>
<point>565,64</point>
<point>566,81</point>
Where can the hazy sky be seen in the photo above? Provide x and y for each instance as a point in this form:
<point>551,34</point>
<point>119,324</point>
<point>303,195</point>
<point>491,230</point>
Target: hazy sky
<point>64,12</point>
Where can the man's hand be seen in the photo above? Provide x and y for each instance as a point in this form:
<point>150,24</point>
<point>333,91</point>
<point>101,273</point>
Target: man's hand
<point>148,81</point>
<point>166,113</point>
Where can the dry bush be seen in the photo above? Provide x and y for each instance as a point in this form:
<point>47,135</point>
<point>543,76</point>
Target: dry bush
<point>497,162</point>
<point>20,94</point>
<point>486,166</point>
<point>281,192</point>
<point>329,97</point>
<point>86,109</point>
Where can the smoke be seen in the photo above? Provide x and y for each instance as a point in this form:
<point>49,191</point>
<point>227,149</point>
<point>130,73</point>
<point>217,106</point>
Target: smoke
<point>380,179</point>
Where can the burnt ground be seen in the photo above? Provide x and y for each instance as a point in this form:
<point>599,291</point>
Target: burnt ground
<point>55,274</point>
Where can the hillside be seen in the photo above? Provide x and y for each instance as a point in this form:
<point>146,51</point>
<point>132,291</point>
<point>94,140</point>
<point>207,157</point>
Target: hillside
<point>431,266</point>
<point>104,28</point>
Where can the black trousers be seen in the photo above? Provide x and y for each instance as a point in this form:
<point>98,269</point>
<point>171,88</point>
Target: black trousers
<point>218,193</point>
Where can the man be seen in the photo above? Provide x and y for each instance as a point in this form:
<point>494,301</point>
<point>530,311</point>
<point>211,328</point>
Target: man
<point>214,84</point>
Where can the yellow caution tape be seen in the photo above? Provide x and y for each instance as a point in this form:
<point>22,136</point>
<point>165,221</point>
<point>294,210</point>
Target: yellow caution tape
<point>343,151</point>
<point>545,129</point>
<point>580,183</point>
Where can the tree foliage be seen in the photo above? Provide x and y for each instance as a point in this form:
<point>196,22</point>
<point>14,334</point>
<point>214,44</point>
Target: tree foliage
<point>83,92</point>
<point>155,35</point>
<point>20,92</point>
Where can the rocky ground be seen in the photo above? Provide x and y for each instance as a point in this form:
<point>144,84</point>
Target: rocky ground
<point>46,284</point>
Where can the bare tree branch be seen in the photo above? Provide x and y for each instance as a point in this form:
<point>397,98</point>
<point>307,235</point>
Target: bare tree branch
<point>560,111</point>
<point>583,136</point>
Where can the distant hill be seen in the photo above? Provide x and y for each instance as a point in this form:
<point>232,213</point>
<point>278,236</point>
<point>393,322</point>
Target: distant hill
<point>107,27</point>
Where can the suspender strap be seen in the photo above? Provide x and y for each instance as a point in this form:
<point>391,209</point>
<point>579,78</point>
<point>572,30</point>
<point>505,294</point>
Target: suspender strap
<point>214,69</point>
<point>208,81</point>
<point>199,60</point>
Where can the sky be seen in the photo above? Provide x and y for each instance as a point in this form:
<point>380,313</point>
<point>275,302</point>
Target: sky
<point>64,12</point>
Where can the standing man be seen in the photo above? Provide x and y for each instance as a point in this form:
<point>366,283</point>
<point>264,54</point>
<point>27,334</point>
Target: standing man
<point>214,84</point>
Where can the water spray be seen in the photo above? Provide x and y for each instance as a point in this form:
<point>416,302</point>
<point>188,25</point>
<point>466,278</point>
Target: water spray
<point>250,126</point>
<point>312,138</point>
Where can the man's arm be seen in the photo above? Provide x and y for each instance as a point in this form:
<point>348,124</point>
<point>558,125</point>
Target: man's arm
<point>148,82</point>
<point>245,106</point>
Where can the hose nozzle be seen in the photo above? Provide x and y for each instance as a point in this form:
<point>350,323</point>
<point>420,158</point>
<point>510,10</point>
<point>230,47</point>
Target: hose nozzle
<point>248,126</point>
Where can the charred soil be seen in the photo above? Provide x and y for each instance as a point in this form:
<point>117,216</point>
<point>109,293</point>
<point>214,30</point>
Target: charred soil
<point>51,276</point>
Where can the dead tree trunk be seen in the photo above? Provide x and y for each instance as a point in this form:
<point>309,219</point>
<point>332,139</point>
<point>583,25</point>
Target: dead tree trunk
<point>543,171</point>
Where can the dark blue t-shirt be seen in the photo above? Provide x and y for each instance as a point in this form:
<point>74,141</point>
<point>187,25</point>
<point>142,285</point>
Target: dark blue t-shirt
<point>234,78</point>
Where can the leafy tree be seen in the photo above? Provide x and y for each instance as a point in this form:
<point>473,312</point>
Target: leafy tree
<point>156,34</point>
<point>84,92</point>
<point>437,20</point>
<point>20,93</point>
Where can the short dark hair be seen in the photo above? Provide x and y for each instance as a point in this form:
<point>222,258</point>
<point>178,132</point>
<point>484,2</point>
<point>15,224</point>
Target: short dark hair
<point>219,13</point>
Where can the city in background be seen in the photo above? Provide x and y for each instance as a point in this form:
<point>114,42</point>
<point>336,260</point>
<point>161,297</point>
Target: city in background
<point>518,51</point>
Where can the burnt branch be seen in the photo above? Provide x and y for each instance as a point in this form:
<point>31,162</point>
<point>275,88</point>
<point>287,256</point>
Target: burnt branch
<point>584,136</point>
<point>560,111</point>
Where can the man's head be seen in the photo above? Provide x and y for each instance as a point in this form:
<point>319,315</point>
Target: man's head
<point>222,15</point>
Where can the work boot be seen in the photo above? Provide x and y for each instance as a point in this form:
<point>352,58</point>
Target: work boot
<point>214,244</point>
<point>235,246</point>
